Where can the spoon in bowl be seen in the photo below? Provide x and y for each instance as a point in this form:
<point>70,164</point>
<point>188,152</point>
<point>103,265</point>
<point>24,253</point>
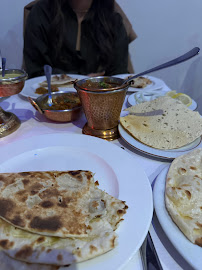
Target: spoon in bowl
<point>173,62</point>
<point>48,73</point>
<point>3,66</point>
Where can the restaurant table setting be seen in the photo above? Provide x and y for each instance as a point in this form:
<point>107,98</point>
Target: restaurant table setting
<point>35,126</point>
<point>101,139</point>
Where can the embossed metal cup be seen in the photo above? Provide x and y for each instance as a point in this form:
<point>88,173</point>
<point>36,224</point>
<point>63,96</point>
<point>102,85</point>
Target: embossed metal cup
<point>102,107</point>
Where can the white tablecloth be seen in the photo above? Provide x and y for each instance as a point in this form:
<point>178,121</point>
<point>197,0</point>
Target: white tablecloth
<point>32,123</point>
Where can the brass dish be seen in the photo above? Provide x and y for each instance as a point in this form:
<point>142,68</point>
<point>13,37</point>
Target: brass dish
<point>67,115</point>
<point>12,83</point>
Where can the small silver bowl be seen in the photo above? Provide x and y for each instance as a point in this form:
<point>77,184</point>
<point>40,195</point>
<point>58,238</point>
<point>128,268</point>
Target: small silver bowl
<point>64,115</point>
<point>13,82</point>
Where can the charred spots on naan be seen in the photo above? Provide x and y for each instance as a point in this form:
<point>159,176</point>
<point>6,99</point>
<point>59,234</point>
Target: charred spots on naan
<point>119,221</point>
<point>35,188</point>
<point>17,220</point>
<point>76,174</point>
<point>89,175</point>
<point>24,174</point>
<point>64,202</point>
<point>7,178</point>
<point>89,228</point>
<point>59,257</point>
<point>182,171</point>
<point>26,182</point>
<point>28,216</point>
<point>6,207</point>
<point>39,175</point>
<point>188,194</point>
<point>112,242</point>
<point>193,168</point>
<point>121,212</point>
<point>25,252</point>
<point>48,193</point>
<point>21,196</point>
<point>198,241</point>
<point>23,199</point>
<point>6,244</point>
<point>40,240</point>
<point>78,252</point>
<point>93,249</point>
<point>46,224</point>
<point>75,227</point>
<point>46,204</point>
<point>199,225</point>
<point>2,178</point>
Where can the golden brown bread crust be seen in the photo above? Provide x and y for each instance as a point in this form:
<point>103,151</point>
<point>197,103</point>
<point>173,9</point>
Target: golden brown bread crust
<point>163,123</point>
<point>37,206</point>
<point>41,202</point>
<point>183,194</point>
<point>56,203</point>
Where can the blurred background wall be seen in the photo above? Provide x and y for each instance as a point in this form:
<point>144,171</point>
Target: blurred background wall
<point>165,29</point>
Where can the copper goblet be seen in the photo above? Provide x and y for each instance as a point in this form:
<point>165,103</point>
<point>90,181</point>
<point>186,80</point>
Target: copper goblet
<point>102,100</point>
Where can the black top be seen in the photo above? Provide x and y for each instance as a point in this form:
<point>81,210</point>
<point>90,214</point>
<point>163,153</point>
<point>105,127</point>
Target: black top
<point>37,51</point>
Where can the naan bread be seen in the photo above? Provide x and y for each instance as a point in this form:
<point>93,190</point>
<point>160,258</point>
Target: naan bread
<point>183,194</point>
<point>34,248</point>
<point>139,82</point>
<point>163,123</point>
<point>62,80</point>
<point>8,263</point>
<point>56,203</point>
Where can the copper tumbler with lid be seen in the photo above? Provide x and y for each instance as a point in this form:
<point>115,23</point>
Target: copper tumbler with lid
<point>102,100</point>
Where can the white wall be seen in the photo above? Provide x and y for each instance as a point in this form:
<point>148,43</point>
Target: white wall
<point>11,31</point>
<point>165,29</point>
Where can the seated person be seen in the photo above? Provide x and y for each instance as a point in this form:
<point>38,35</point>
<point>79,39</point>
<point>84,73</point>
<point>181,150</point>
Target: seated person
<point>75,36</point>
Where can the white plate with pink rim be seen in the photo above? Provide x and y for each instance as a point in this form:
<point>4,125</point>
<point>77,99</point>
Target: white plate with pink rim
<point>32,84</point>
<point>156,83</point>
<point>116,170</point>
<point>190,252</point>
<point>158,153</point>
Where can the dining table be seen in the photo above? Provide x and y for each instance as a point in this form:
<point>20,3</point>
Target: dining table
<point>34,124</point>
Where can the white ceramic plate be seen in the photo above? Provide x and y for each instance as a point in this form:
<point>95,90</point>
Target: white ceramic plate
<point>165,154</point>
<point>32,84</point>
<point>115,169</point>
<point>156,83</point>
<point>131,101</point>
<point>190,252</point>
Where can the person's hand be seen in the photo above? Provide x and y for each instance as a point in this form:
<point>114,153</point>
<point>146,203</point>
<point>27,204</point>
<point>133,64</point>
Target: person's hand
<point>97,74</point>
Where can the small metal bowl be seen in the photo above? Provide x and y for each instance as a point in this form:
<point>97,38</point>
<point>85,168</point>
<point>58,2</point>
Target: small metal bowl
<point>102,106</point>
<point>67,115</point>
<point>102,99</point>
<point>13,82</point>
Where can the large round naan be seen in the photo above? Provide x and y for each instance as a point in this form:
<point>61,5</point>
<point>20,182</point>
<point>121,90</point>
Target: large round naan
<point>183,194</point>
<point>56,203</point>
<point>163,123</point>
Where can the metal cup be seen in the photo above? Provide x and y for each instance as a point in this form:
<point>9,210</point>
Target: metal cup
<point>102,107</point>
